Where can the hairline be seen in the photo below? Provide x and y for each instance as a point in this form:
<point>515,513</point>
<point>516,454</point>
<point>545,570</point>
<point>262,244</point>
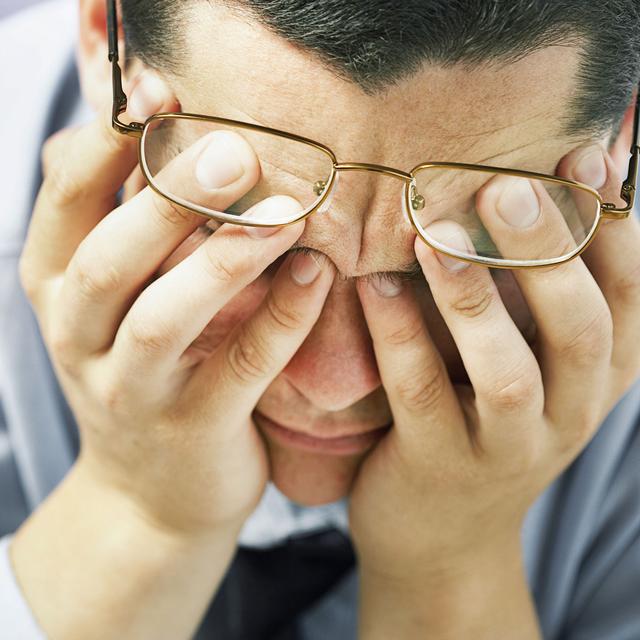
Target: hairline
<point>576,121</point>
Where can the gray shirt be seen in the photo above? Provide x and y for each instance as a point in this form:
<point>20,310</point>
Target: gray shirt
<point>581,539</point>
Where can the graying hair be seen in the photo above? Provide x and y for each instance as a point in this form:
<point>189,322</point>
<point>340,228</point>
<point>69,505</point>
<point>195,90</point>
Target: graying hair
<point>375,43</point>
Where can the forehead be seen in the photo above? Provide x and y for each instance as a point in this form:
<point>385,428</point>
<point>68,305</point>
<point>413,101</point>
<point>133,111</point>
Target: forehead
<point>235,67</point>
<point>503,115</point>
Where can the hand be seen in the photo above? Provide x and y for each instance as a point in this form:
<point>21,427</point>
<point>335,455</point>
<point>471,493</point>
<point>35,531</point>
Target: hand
<point>452,481</point>
<point>159,422</point>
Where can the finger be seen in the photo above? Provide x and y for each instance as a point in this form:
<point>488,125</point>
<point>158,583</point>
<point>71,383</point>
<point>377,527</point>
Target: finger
<point>571,314</point>
<point>252,357</point>
<point>133,185</point>
<point>613,258</point>
<point>423,402</point>
<point>83,171</point>
<point>126,249</point>
<point>501,367</point>
<point>175,309</point>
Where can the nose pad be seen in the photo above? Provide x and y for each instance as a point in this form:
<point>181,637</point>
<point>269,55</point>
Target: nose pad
<point>412,200</point>
<point>408,197</point>
<point>406,194</point>
<point>327,203</point>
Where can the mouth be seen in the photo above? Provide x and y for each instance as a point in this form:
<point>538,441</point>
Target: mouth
<point>341,446</point>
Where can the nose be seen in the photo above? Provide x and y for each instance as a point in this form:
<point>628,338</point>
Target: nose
<point>335,366</point>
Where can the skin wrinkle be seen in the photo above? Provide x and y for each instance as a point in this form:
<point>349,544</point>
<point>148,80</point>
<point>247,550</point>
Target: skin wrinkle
<point>389,49</point>
<point>411,269</point>
<point>275,90</point>
<point>332,382</point>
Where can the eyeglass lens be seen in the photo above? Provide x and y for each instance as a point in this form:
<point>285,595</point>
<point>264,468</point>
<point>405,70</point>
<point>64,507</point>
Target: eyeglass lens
<point>219,168</point>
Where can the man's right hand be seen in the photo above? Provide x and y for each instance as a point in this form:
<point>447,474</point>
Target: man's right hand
<point>136,539</point>
<point>168,429</point>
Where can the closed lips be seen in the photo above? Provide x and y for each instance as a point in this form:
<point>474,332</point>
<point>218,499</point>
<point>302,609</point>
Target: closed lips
<point>323,435</point>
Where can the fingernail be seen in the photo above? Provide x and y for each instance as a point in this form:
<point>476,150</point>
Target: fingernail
<point>218,164</point>
<point>518,203</point>
<point>592,169</point>
<point>452,236</point>
<point>304,269</point>
<point>273,209</point>
<point>147,97</point>
<point>386,285</point>
<point>261,232</point>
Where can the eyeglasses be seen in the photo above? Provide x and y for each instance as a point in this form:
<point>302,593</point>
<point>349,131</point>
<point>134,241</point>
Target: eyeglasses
<point>476,213</point>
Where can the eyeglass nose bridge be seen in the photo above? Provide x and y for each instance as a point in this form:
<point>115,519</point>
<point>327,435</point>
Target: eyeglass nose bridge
<point>414,198</point>
<point>376,168</point>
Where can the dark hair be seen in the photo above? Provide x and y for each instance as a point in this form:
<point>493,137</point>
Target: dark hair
<point>376,42</point>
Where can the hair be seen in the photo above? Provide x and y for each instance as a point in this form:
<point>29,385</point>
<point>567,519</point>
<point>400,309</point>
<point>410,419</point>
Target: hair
<point>375,43</point>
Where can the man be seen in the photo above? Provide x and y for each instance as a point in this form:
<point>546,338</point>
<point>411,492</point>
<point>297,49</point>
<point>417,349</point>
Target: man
<point>464,412</point>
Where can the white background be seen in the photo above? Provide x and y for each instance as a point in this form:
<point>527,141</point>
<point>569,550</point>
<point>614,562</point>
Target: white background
<point>10,6</point>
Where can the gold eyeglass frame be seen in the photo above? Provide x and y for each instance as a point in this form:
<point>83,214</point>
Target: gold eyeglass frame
<point>412,201</point>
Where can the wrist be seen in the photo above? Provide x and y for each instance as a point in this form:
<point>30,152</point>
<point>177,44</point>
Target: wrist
<point>417,570</point>
<point>481,596</point>
<point>159,519</point>
<point>89,559</point>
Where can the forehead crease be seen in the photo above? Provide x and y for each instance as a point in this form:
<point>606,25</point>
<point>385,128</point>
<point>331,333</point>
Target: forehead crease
<point>488,115</point>
<point>270,76</point>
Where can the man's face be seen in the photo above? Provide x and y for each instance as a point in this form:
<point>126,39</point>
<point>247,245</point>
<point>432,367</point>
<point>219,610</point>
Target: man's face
<point>507,115</point>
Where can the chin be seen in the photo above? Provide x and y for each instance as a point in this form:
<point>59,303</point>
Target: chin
<point>312,479</point>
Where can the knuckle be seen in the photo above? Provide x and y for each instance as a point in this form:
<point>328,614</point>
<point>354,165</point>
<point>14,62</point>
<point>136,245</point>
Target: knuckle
<point>94,278</point>
<point>421,393</point>
<point>61,344</point>
<point>514,395</point>
<point>626,288</point>
<point>473,301</point>
<point>524,458</point>
<point>247,358</point>
<point>51,149</point>
<point>575,436</point>
<point>284,317</point>
<point>226,266</point>
<point>169,215</point>
<point>150,335</point>
<point>592,340</point>
<point>61,185</point>
<point>558,247</point>
<point>404,334</point>
<point>48,153</point>
<point>111,394</point>
<point>28,280</point>
<point>586,424</point>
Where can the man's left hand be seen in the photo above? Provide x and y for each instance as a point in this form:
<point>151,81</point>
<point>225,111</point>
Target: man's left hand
<point>455,476</point>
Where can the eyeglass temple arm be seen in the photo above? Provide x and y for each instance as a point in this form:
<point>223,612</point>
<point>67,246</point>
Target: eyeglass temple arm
<point>135,128</point>
<point>628,192</point>
<point>119,97</point>
<point>630,182</point>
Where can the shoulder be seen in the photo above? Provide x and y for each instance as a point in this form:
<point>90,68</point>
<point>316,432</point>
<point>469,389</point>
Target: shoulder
<point>582,537</point>
<point>606,475</point>
<point>606,577</point>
